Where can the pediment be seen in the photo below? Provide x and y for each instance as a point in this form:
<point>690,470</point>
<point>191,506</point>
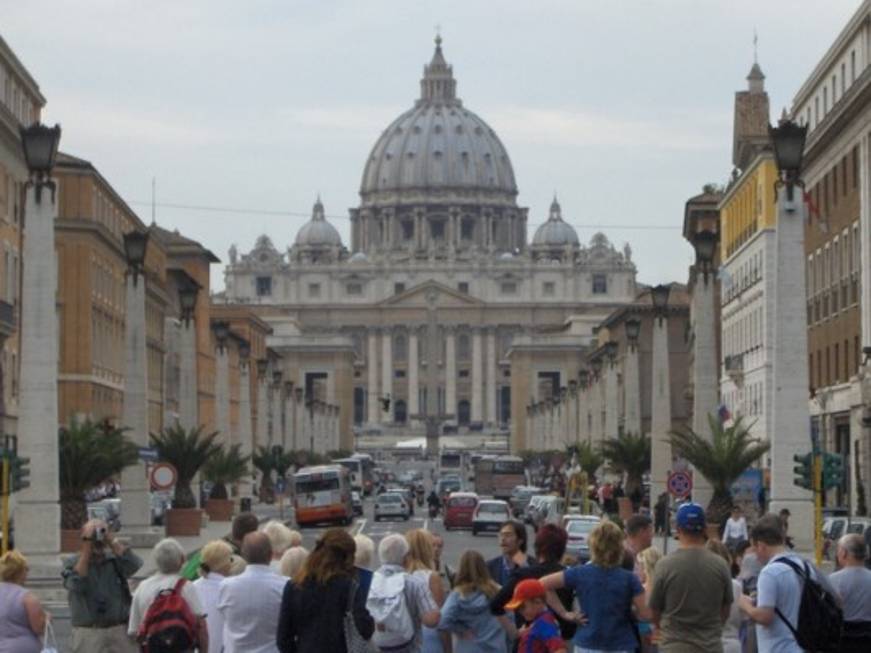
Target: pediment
<point>434,292</point>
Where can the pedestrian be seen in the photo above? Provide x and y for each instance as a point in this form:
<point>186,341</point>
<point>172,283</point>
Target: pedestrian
<point>400,602</point>
<point>853,584</point>
<point>250,602</point>
<point>606,594</point>
<point>144,622</point>
<point>22,617</point>
<point>550,546</point>
<point>96,580</point>
<point>692,590</point>
<point>280,539</point>
<point>778,589</point>
<point>243,523</point>
<point>420,564</point>
<point>466,612</point>
<point>735,623</point>
<point>513,543</point>
<point>292,561</point>
<point>645,568</point>
<point>735,530</point>
<point>660,514</point>
<point>363,557</point>
<point>315,601</point>
<point>784,515</point>
<point>541,634</point>
<point>216,561</point>
<point>639,536</point>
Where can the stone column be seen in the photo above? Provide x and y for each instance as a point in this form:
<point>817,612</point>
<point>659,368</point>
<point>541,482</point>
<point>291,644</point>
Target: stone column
<point>706,392</point>
<point>276,435</point>
<point>37,512</point>
<point>373,405</point>
<point>222,393</point>
<point>287,404</point>
<point>135,496</point>
<point>491,376</point>
<point>187,400</point>
<point>387,372</point>
<point>299,422</point>
<point>245,420</point>
<point>262,438</point>
<point>583,414</point>
<point>477,375</point>
<point>660,410</point>
<point>631,391</point>
<point>413,373</point>
<point>451,371</point>
<point>611,401</point>
<point>790,415</point>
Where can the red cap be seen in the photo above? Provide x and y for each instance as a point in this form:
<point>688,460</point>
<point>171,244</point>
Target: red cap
<point>531,588</point>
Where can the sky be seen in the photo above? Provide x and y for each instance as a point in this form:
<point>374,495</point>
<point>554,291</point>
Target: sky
<point>249,110</point>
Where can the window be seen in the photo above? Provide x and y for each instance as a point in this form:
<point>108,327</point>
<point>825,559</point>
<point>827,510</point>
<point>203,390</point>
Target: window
<point>398,288</point>
<point>407,228</point>
<point>816,111</point>
<point>508,288</point>
<point>398,374</point>
<point>314,290</point>
<point>843,78</point>
<point>855,167</point>
<point>264,286</point>
<point>464,374</point>
<point>354,289</point>
<point>834,88</point>
<point>463,287</point>
<point>825,100</point>
<point>600,284</point>
<point>548,289</point>
<point>437,229</point>
<point>467,229</point>
<point>852,66</point>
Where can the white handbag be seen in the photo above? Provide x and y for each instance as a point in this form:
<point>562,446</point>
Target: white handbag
<point>49,643</point>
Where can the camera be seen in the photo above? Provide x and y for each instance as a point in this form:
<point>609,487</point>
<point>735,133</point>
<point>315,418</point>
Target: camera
<point>98,535</point>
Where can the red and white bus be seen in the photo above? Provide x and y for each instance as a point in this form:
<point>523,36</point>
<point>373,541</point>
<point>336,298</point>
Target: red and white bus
<point>322,494</point>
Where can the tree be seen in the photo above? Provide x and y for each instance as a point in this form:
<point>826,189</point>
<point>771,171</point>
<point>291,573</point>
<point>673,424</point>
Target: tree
<point>336,454</point>
<point>628,454</point>
<point>90,453</point>
<point>187,450</point>
<point>588,459</point>
<point>721,460</point>
<point>226,466</point>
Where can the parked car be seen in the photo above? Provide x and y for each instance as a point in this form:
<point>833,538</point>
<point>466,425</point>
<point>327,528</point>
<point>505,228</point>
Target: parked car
<point>391,505</point>
<point>406,494</point>
<point>460,509</point>
<point>579,528</point>
<point>835,527</point>
<point>489,515</point>
<point>549,511</point>
<point>357,503</point>
<point>520,497</point>
<point>532,507</point>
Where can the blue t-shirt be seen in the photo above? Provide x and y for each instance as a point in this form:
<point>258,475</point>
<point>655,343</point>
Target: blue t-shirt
<point>605,597</point>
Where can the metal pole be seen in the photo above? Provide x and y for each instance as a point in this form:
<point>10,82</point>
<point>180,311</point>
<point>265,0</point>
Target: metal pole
<point>818,507</point>
<point>665,530</point>
<point>5,503</point>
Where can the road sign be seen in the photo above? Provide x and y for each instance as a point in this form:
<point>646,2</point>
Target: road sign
<point>148,454</point>
<point>680,484</point>
<point>163,476</point>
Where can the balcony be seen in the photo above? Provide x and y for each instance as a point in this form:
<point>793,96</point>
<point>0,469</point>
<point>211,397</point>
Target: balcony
<point>8,324</point>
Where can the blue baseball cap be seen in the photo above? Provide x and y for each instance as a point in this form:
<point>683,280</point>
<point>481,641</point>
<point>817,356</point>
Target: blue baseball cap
<point>691,518</point>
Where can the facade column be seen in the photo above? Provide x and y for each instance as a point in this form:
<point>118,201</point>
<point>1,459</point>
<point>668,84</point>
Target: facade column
<point>372,393</point>
<point>477,375</point>
<point>275,435</point>
<point>187,392</point>
<point>387,371</point>
<point>706,391</point>
<point>262,438</point>
<point>451,371</point>
<point>660,410</point>
<point>135,496</point>
<point>287,404</point>
<point>299,435</point>
<point>491,376</point>
<point>245,418</point>
<point>413,373</point>
<point>222,394</point>
<point>37,511</point>
<point>631,391</point>
<point>583,413</point>
<point>611,401</point>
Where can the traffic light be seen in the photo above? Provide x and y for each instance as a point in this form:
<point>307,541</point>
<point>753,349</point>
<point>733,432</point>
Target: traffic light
<point>804,471</point>
<point>833,470</point>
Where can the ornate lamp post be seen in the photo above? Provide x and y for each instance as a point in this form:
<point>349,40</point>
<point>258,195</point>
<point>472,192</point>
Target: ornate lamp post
<point>584,405</point>
<point>573,434</point>
<point>660,414</point>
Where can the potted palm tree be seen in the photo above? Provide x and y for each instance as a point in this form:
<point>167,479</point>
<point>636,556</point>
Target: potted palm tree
<point>721,460</point>
<point>225,467</point>
<point>187,450</point>
<point>263,461</point>
<point>628,454</point>
<point>90,453</point>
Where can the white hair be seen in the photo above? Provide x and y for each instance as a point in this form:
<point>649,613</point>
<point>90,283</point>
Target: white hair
<point>168,556</point>
<point>280,537</point>
<point>364,552</point>
<point>393,549</point>
<point>293,560</point>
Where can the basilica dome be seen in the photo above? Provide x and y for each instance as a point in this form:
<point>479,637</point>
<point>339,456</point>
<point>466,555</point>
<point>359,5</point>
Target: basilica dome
<point>555,232</point>
<point>318,232</point>
<point>438,146</point>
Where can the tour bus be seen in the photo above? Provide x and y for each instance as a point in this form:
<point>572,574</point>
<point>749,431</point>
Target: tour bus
<point>322,494</point>
<point>359,467</point>
<point>499,475</point>
<point>451,462</point>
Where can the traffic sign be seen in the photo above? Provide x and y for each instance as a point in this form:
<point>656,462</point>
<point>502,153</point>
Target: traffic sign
<point>148,454</point>
<point>680,484</point>
<point>163,476</point>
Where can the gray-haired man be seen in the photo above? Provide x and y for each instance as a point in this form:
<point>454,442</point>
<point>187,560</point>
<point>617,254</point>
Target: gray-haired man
<point>853,584</point>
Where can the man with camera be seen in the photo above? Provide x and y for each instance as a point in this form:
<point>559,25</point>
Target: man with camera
<point>99,595</point>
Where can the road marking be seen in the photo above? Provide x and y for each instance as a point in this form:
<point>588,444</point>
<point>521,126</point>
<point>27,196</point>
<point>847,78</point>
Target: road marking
<point>361,524</point>
<point>426,524</point>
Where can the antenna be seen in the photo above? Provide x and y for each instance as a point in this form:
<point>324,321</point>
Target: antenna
<point>153,200</point>
<point>755,46</point>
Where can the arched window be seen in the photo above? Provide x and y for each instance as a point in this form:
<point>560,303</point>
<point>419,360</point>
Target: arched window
<point>463,347</point>
<point>464,413</point>
<point>400,412</point>
<point>400,347</point>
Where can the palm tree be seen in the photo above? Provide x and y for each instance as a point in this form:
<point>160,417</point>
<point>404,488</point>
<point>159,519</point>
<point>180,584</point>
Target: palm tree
<point>720,460</point>
<point>90,453</point>
<point>226,466</point>
<point>187,451</point>
<point>628,454</point>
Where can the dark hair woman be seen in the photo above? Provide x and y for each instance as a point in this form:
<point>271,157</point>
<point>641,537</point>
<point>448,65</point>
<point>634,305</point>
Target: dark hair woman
<point>314,604</point>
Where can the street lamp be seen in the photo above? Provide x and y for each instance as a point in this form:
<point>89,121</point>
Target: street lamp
<point>584,377</point>
<point>705,243</point>
<point>596,364</point>
<point>611,350</point>
<point>135,246</point>
<point>187,298</point>
<point>633,330</point>
<point>222,332</point>
<point>573,387</point>
<point>659,295</point>
<point>788,139</point>
<point>244,350</point>
<point>262,367</point>
<point>39,144</point>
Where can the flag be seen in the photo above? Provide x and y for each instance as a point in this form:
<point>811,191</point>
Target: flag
<point>724,414</point>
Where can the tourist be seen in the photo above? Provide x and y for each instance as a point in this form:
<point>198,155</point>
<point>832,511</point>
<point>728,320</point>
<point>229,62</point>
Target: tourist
<point>250,602</point>
<point>853,585</point>
<point>645,568</point>
<point>314,603</point>
<point>363,558</point>
<point>466,612</point>
<point>734,623</point>
<point>541,634</point>
<point>292,561</point>
<point>660,512</point>
<point>216,561</point>
<point>168,559</point>
<point>22,617</point>
<point>421,566</point>
<point>639,536</point>
<point>735,530</point>
<point>96,579</point>
<point>512,542</point>
<point>243,523</point>
<point>280,539</point>
<point>692,590</point>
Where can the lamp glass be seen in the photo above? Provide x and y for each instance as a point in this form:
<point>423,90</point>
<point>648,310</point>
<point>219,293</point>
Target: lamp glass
<point>262,366</point>
<point>659,295</point>
<point>244,350</point>
<point>584,376</point>
<point>135,246</point>
<point>222,331</point>
<point>39,143</point>
<point>633,329</point>
<point>788,139</point>
<point>187,296</point>
<point>611,349</point>
<point>705,243</point>
<point>596,364</point>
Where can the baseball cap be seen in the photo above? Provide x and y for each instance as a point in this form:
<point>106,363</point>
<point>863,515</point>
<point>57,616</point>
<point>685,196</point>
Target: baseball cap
<point>525,590</point>
<point>691,518</point>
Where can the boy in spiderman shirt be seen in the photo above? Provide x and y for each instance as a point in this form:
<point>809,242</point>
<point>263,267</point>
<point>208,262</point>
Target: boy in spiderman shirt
<point>542,633</point>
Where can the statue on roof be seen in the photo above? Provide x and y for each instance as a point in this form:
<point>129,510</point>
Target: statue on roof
<point>627,253</point>
<point>233,253</point>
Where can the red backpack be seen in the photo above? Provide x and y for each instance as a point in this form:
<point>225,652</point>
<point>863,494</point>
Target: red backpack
<point>169,625</point>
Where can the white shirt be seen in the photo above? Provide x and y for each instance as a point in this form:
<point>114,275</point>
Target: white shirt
<point>250,605</point>
<point>148,590</point>
<point>736,529</point>
<point>207,590</point>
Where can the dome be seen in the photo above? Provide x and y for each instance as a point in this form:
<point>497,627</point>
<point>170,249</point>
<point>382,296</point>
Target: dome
<point>358,257</point>
<point>317,232</point>
<point>555,232</point>
<point>438,145</point>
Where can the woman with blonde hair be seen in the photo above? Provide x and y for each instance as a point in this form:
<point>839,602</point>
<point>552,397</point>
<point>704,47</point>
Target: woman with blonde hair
<point>420,565</point>
<point>292,561</point>
<point>216,562</point>
<point>732,628</point>
<point>645,564</point>
<point>22,618</point>
<point>606,594</point>
<point>280,538</point>
<point>466,613</point>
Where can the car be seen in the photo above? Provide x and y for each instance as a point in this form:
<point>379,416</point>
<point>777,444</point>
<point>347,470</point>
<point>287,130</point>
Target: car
<point>549,511</point>
<point>391,505</point>
<point>160,503</point>
<point>406,494</point>
<point>357,503</point>
<point>460,509</point>
<point>836,526</point>
<point>578,528</point>
<point>489,515</point>
<point>448,485</point>
<point>533,507</point>
<point>520,497</point>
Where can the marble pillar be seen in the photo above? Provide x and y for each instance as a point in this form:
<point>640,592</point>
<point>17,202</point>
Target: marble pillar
<point>245,419</point>
<point>188,408</point>
<point>287,404</point>
<point>276,435</point>
<point>262,438</point>
<point>222,394</point>
<point>706,377</point>
<point>387,373</point>
<point>451,371</point>
<point>611,401</point>
<point>477,376</point>
<point>299,416</point>
<point>660,410</point>
<point>492,367</point>
<point>372,391</point>
<point>413,373</point>
<point>631,391</point>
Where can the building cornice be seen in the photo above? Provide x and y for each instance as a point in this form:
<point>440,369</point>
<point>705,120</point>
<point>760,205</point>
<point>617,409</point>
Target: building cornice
<point>21,72</point>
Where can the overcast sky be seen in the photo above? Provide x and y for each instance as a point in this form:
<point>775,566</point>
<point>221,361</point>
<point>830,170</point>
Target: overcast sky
<point>623,108</point>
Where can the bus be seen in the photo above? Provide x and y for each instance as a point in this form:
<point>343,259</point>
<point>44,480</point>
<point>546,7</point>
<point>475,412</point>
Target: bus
<point>368,467</point>
<point>360,468</point>
<point>322,494</point>
<point>499,475</point>
<point>451,462</point>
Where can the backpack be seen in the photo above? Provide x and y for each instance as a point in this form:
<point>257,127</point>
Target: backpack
<point>389,608</point>
<point>820,619</point>
<point>169,625</point>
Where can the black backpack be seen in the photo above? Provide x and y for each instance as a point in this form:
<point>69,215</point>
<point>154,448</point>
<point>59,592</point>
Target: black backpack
<point>820,619</point>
